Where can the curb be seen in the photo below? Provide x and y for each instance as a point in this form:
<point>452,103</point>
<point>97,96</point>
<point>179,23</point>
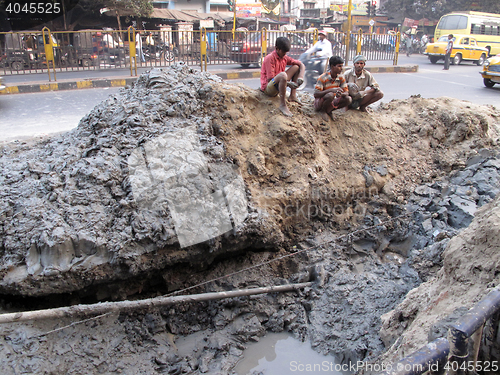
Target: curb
<point>101,83</point>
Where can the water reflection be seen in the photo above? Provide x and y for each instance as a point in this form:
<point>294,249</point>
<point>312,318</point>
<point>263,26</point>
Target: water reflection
<point>280,353</point>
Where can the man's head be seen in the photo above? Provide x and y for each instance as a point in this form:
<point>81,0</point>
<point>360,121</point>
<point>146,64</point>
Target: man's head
<point>321,35</point>
<point>282,46</point>
<point>336,64</point>
<point>359,63</point>
<point>450,36</point>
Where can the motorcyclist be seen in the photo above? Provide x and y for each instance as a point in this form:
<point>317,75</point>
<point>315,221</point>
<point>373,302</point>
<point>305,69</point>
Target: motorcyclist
<point>322,49</point>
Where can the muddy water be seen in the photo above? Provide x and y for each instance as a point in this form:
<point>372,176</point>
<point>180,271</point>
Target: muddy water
<point>281,353</point>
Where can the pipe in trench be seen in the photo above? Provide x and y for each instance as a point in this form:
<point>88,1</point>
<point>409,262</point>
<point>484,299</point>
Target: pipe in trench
<point>105,307</point>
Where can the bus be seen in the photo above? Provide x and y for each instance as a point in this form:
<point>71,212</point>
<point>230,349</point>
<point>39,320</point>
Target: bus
<point>484,27</point>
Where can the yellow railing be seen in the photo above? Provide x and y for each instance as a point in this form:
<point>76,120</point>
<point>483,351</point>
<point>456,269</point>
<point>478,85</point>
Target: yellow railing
<point>27,52</point>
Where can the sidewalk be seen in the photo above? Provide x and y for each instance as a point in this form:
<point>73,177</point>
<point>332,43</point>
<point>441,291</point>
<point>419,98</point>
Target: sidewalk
<point>39,82</point>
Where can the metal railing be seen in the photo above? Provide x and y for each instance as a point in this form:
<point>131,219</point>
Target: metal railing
<point>455,355</point>
<point>26,52</point>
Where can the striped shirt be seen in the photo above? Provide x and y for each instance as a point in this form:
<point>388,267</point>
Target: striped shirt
<point>326,81</point>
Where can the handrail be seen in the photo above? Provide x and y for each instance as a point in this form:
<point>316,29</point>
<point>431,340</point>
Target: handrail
<point>453,351</point>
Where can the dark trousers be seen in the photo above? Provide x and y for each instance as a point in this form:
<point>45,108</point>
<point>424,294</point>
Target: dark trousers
<point>447,61</point>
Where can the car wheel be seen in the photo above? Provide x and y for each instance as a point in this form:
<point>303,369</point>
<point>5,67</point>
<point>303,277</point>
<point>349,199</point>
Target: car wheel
<point>481,60</point>
<point>488,83</point>
<point>259,64</point>
<point>245,66</point>
<point>17,65</point>
<point>457,59</point>
<point>86,63</point>
<point>433,59</point>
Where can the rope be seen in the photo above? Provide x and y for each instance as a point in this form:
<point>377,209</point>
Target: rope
<point>347,235</point>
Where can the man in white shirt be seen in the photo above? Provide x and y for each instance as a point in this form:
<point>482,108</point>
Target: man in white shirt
<point>322,48</point>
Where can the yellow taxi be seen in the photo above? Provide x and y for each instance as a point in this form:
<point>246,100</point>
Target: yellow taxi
<point>491,71</point>
<point>464,48</point>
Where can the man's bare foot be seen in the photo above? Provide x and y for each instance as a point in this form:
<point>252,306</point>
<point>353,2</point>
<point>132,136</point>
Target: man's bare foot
<point>363,109</point>
<point>294,99</point>
<point>324,116</point>
<point>285,111</point>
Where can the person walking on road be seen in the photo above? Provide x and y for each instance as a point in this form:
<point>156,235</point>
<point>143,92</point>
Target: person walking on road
<point>449,48</point>
<point>275,78</point>
<point>363,88</point>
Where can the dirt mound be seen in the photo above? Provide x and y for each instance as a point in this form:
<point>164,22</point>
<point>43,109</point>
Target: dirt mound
<point>84,208</point>
<point>469,272</point>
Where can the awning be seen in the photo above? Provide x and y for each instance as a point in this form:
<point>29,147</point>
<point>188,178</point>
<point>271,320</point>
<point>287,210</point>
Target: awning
<point>175,15</point>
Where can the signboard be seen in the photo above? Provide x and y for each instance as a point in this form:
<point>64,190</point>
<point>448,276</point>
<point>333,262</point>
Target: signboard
<point>345,7</point>
<point>207,24</point>
<point>248,10</point>
<point>323,13</point>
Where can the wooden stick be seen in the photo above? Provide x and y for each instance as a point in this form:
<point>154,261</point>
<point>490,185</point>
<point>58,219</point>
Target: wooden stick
<point>105,307</point>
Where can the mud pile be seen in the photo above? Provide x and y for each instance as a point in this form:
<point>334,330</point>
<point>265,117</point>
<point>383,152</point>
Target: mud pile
<point>183,178</point>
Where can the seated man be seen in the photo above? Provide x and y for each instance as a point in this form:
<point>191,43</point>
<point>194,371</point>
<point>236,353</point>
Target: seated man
<point>331,90</point>
<point>363,88</point>
<point>274,79</point>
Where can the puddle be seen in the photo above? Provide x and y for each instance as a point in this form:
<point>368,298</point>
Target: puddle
<point>281,353</point>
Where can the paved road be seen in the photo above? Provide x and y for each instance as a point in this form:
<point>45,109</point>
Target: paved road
<point>49,112</point>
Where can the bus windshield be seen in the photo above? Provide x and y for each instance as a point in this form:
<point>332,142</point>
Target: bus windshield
<point>453,22</point>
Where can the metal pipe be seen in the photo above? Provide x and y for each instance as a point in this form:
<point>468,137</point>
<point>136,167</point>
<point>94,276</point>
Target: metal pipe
<point>479,314</point>
<point>427,358</point>
<point>459,332</point>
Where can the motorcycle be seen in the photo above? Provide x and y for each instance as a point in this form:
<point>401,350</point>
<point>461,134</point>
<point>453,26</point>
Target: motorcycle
<point>157,52</point>
<point>315,66</point>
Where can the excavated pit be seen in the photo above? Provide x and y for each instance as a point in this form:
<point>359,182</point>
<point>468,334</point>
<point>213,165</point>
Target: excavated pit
<point>183,179</point>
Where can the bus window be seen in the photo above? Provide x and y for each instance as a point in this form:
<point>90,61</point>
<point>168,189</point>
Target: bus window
<point>475,29</point>
<point>453,22</point>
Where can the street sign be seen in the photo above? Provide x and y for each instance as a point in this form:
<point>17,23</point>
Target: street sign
<point>371,22</point>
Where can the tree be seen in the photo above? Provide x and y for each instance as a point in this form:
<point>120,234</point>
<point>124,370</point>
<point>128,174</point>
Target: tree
<point>434,9</point>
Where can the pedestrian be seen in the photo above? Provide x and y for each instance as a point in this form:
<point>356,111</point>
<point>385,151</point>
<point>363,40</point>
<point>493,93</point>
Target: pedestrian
<point>331,91</point>
<point>138,47</point>
<point>275,78</point>
<point>409,43</point>
<point>322,49</point>
<point>449,48</point>
<point>363,88</point>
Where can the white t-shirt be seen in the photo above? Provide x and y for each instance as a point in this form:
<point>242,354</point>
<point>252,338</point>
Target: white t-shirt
<point>323,48</point>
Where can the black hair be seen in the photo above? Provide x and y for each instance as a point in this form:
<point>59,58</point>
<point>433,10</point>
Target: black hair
<point>335,60</point>
<point>283,44</point>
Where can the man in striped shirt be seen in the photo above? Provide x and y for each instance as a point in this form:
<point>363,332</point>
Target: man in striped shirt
<point>331,90</point>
